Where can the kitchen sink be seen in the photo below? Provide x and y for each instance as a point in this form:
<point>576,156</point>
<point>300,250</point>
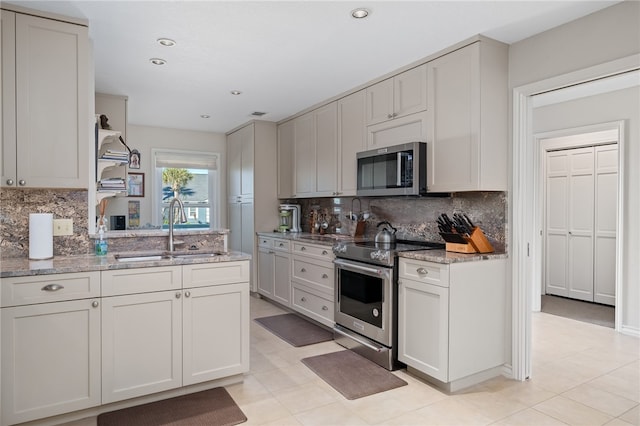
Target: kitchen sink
<point>141,257</point>
<point>194,255</point>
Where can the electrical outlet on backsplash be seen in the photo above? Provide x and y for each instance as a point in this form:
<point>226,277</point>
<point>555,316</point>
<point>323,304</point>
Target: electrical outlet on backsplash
<point>414,217</point>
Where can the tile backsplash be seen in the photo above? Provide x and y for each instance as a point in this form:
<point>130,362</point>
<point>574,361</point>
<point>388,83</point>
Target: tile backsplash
<point>413,217</point>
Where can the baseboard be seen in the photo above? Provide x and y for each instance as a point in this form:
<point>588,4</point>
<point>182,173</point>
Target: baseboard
<point>630,331</point>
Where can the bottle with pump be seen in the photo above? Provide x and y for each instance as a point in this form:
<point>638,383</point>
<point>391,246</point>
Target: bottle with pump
<point>101,244</point>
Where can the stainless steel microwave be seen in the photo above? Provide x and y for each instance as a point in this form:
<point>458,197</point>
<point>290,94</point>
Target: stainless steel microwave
<point>393,170</point>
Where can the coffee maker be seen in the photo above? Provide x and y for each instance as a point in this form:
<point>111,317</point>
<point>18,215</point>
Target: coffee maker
<point>289,218</point>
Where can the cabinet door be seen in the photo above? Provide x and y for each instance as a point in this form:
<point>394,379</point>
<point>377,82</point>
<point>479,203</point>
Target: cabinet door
<point>326,150</point>
<point>265,272</point>
<point>454,121</point>
<point>235,224</point>
<point>352,112</point>
<point>50,359</point>
<point>216,332</point>
<point>286,140</point>
<point>52,103</point>
<point>246,160</point>
<point>141,344</point>
<point>423,327</point>
<point>380,102</point>
<point>305,155</point>
<point>282,278</point>
<point>410,91</point>
<point>8,160</point>
<point>234,163</point>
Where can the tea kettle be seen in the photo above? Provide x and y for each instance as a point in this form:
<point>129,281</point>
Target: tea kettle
<point>385,236</point>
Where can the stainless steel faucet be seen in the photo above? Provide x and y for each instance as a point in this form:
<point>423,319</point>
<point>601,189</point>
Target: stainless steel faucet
<point>183,218</point>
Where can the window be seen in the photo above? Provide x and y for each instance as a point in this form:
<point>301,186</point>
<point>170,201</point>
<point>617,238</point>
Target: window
<point>200,193</point>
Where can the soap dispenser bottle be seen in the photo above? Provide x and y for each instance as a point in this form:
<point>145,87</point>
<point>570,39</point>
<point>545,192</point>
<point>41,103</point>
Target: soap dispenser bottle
<point>101,244</point>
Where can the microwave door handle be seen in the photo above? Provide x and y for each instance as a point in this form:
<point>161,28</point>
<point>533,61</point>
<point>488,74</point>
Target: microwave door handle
<point>399,170</point>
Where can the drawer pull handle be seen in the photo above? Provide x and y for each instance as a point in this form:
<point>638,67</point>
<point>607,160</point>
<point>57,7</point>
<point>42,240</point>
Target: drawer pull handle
<point>325,308</point>
<point>325,276</point>
<point>303,248</point>
<point>422,271</point>
<point>178,295</point>
<point>95,304</point>
<point>281,245</point>
<point>303,299</point>
<point>303,270</point>
<point>187,294</point>
<point>324,252</point>
<point>52,287</point>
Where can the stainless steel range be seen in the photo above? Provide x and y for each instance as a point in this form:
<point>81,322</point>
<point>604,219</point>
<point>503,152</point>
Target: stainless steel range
<point>366,297</point>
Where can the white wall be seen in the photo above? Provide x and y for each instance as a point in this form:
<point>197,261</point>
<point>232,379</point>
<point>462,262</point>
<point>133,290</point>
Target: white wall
<point>607,35</point>
<point>144,138</point>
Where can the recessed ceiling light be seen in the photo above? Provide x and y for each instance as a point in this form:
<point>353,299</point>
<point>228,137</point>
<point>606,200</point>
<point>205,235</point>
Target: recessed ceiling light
<point>360,13</point>
<point>236,92</point>
<point>166,42</point>
<point>157,61</point>
<point>205,116</point>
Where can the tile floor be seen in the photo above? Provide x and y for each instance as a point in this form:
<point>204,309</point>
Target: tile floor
<point>583,374</point>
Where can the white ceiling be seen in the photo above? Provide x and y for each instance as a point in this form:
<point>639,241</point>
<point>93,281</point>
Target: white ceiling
<point>284,56</point>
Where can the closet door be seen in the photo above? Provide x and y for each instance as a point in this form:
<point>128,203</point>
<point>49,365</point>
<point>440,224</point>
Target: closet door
<point>556,219</point>
<point>606,190</point>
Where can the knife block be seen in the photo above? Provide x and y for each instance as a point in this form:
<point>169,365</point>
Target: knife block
<point>479,241</point>
<point>475,243</point>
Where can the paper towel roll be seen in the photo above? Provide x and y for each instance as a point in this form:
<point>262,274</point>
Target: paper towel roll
<point>40,236</point>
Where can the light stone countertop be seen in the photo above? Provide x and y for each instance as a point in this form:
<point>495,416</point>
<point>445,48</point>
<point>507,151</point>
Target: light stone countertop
<point>17,267</point>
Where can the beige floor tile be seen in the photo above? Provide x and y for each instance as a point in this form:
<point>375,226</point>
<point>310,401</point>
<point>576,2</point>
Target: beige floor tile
<point>285,421</point>
<point>529,417</point>
<point>632,416</point>
<point>491,405</point>
<point>250,390</point>
<point>594,397</point>
<point>410,419</point>
<point>572,412</point>
<point>619,384</point>
<point>619,422</point>
<point>263,411</point>
<point>285,378</point>
<point>526,393</point>
<point>332,414</point>
<point>452,412</point>
<point>304,398</point>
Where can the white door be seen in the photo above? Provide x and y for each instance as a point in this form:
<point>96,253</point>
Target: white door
<point>141,344</point>
<point>606,190</point>
<point>581,188</point>
<point>216,332</point>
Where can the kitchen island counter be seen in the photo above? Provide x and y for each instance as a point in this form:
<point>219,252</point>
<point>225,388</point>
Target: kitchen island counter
<point>18,267</point>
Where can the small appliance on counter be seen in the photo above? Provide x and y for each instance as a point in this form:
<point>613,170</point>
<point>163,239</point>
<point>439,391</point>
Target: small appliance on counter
<point>461,235</point>
<point>289,218</point>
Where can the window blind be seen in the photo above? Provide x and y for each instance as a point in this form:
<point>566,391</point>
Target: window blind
<point>186,160</point>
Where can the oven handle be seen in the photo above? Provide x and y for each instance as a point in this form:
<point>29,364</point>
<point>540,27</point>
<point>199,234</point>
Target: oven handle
<point>361,341</point>
<point>361,268</point>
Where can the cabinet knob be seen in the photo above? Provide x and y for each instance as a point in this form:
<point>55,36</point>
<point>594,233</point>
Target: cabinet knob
<point>303,299</point>
<point>324,252</point>
<point>422,271</point>
<point>187,294</point>
<point>325,308</point>
<point>178,295</point>
<point>389,115</point>
<point>303,248</point>
<point>95,304</point>
<point>303,270</point>
<point>395,114</point>
<point>22,182</point>
<point>281,245</point>
<point>52,287</point>
<point>10,182</point>
<point>325,276</point>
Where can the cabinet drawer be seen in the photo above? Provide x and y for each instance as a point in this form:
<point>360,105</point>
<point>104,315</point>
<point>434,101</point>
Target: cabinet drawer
<point>265,242</point>
<point>425,272</point>
<point>281,245</point>
<point>140,280</point>
<point>49,288</point>
<point>316,307</point>
<point>317,274</point>
<point>318,252</point>
<point>205,274</point>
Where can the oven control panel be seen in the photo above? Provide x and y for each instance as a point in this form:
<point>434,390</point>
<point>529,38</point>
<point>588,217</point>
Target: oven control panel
<point>381,255</point>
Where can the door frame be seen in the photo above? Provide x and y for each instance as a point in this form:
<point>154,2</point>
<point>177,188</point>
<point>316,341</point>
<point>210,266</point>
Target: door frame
<point>523,202</point>
<point>577,137</point>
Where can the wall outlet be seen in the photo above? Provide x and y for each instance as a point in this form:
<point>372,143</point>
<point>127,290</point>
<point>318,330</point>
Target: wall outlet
<point>62,227</point>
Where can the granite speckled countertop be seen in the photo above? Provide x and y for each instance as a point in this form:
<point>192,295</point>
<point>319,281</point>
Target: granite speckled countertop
<point>438,256</point>
<point>17,267</point>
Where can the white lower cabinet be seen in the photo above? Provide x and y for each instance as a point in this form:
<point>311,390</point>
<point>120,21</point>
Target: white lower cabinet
<point>50,351</point>
<point>274,269</point>
<point>451,319</point>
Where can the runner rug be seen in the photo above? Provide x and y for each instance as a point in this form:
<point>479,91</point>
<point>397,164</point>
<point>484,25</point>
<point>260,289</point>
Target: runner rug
<point>295,330</point>
<point>213,407</point>
<point>352,375</point>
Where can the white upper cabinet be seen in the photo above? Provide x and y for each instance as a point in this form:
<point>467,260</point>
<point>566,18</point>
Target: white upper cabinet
<point>240,154</point>
<point>398,96</point>
<point>467,112</point>
<point>315,152</point>
<point>351,140</point>
<point>45,71</point>
<point>286,141</point>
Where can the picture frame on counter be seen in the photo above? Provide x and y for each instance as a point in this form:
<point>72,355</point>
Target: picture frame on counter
<point>135,184</point>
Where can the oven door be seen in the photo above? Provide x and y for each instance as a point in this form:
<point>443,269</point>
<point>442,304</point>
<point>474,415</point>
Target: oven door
<point>364,299</point>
